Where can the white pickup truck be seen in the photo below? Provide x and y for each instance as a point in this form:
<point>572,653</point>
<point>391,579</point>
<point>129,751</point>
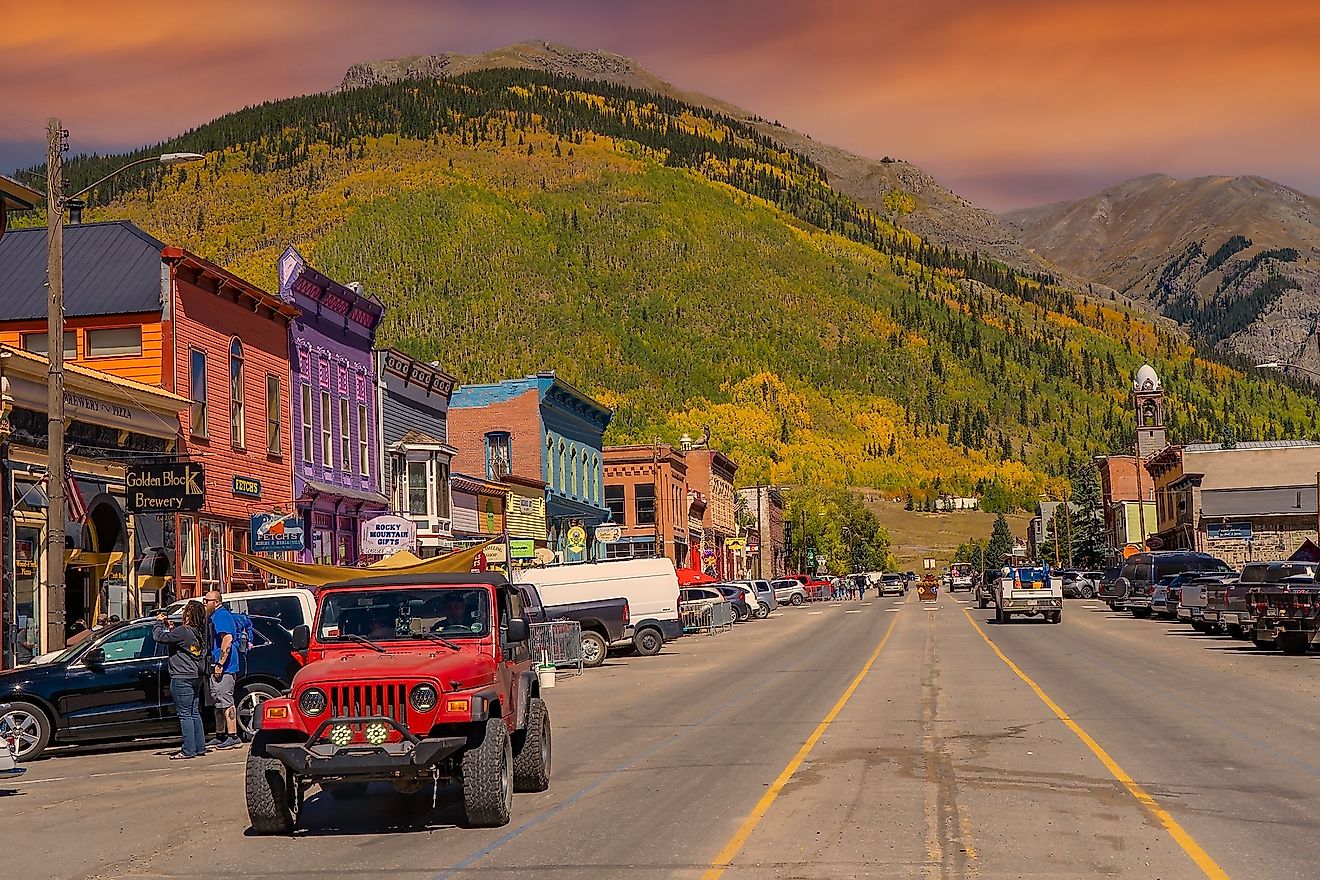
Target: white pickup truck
<point>1028,591</point>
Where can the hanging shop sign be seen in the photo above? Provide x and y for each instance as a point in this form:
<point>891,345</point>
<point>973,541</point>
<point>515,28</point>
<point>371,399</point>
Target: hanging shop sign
<point>577,539</point>
<point>1238,531</point>
<point>522,548</point>
<point>388,534</point>
<point>162,488</point>
<point>608,533</point>
<point>278,532</point>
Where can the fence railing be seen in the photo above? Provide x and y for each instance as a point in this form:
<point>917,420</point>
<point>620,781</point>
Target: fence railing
<point>558,642</point>
<point>708,619</point>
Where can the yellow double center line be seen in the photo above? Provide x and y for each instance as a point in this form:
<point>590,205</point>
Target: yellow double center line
<point>739,839</point>
<point>1188,843</point>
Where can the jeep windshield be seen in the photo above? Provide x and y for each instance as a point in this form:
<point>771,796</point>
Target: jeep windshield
<point>404,614</point>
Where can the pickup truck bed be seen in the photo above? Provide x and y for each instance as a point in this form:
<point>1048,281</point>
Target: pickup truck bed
<point>604,622</point>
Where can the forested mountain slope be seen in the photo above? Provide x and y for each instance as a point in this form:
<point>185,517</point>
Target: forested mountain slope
<point>686,269</point>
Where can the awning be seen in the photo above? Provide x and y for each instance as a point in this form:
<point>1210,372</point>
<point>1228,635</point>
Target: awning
<point>315,575</point>
<point>312,488</point>
<point>691,577</point>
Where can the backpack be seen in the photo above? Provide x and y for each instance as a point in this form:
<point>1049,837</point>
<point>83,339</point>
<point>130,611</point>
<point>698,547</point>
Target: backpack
<point>246,634</point>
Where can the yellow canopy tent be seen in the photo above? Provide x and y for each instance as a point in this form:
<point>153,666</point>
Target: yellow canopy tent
<point>314,575</point>
<point>402,559</point>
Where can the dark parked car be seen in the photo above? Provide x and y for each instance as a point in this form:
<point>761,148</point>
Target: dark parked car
<point>603,622</point>
<point>1168,593</point>
<point>114,686</point>
<point>1135,586</point>
<point>742,610</point>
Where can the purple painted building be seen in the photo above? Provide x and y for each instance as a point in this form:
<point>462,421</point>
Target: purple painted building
<point>336,448</point>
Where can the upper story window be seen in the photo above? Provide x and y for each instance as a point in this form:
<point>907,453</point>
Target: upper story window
<point>308,429</point>
<point>562,476</point>
<point>550,463</point>
<point>417,488</point>
<point>499,455</point>
<point>114,342</point>
<point>644,501</point>
<point>363,452</point>
<point>594,480</point>
<point>197,390</point>
<point>573,487</point>
<point>442,490</point>
<point>344,443</point>
<point>327,439</point>
<point>37,344</point>
<point>274,415</point>
<point>614,501</point>
<point>236,423</point>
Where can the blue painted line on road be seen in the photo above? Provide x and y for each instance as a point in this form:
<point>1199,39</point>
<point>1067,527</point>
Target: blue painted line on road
<point>612,774</point>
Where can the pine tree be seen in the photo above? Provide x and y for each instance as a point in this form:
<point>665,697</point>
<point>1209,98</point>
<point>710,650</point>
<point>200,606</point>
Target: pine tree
<point>1000,545</point>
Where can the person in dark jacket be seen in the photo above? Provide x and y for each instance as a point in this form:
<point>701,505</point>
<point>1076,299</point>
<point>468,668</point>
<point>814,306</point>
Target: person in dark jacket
<point>187,655</point>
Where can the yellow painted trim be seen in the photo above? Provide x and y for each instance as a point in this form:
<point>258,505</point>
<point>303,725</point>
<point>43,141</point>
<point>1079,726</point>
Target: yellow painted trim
<point>739,839</point>
<point>1188,843</point>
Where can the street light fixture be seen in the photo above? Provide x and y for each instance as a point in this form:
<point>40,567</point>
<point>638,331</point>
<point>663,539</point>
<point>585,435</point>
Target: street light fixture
<point>56,202</point>
<point>1281,366</point>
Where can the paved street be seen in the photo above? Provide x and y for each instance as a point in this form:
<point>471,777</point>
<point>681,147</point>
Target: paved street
<point>929,757</point>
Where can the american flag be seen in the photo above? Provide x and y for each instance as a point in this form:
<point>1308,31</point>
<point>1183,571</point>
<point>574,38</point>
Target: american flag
<point>74,503</point>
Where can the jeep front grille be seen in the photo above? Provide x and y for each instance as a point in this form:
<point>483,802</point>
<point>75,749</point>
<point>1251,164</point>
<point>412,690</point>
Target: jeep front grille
<point>390,700</point>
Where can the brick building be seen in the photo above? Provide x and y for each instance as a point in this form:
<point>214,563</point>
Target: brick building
<point>543,428</point>
<point>766,545</point>
<point>711,473</point>
<point>646,492</point>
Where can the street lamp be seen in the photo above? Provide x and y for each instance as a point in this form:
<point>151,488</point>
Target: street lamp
<point>56,202</point>
<point>1281,366</point>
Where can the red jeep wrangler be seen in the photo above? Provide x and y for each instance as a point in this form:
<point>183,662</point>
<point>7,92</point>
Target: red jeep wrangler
<point>409,679</point>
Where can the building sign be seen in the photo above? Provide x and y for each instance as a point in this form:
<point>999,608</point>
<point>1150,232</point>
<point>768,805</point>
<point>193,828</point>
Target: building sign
<point>418,374</point>
<point>278,532</point>
<point>95,411</point>
<point>577,539</point>
<point>522,548</point>
<point>1238,531</point>
<point>387,534</point>
<point>736,543</point>
<point>608,533</point>
<point>247,487</point>
<point>162,488</point>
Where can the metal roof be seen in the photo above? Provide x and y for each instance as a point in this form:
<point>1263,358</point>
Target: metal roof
<point>1249,444</point>
<point>109,269</point>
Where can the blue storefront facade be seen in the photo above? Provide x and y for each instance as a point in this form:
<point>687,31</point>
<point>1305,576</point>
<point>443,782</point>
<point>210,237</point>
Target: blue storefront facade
<point>543,428</point>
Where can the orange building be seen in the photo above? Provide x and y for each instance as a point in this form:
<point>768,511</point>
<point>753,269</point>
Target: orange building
<point>165,317</point>
<point>711,474</point>
<point>646,493</point>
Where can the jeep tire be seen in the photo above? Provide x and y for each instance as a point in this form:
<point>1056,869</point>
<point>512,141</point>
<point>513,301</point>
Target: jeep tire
<point>269,798</point>
<point>488,777</point>
<point>648,641</point>
<point>531,750</point>
<point>594,648</point>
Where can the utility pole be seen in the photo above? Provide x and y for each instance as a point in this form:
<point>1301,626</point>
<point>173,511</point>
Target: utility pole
<point>658,503</point>
<point>55,606</point>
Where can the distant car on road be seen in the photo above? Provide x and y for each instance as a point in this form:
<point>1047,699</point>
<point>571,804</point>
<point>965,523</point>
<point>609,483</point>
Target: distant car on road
<point>892,582</point>
<point>961,577</point>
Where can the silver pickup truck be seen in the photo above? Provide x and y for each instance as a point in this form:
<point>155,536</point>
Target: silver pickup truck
<point>1192,603</point>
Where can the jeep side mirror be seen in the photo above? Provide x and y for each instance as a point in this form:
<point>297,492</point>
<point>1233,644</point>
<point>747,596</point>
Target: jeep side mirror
<point>94,657</point>
<point>518,631</point>
<point>302,637</point>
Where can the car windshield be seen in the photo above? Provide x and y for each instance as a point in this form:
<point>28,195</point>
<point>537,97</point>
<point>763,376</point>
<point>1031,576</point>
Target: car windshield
<point>393,615</point>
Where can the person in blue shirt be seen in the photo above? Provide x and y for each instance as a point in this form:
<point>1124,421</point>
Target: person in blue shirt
<point>223,672</point>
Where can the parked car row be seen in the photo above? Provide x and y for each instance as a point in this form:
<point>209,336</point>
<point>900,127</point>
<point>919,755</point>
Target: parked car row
<point>1275,604</point>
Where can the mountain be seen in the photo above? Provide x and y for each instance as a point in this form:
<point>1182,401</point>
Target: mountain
<point>893,188</point>
<point>686,269</point>
<point>1234,259</point>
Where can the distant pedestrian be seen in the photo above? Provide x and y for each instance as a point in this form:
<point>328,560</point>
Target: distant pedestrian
<point>224,672</point>
<point>187,647</point>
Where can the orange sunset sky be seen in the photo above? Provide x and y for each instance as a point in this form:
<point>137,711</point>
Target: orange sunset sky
<point>1009,103</point>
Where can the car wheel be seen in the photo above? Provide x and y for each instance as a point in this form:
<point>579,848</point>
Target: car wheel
<point>594,649</point>
<point>28,726</point>
<point>270,794</point>
<point>648,642</point>
<point>1088,591</point>
<point>344,791</point>
<point>531,750</point>
<point>249,708</point>
<point>488,777</point>
<point>795,599</point>
<point>762,611</point>
<point>1293,643</point>
<point>1236,631</point>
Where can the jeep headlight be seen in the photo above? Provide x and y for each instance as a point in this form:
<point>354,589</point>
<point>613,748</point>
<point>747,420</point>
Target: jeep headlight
<point>312,702</point>
<point>423,697</point>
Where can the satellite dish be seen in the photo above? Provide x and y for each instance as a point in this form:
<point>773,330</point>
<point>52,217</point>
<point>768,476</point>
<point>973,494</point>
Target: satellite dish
<point>543,556</point>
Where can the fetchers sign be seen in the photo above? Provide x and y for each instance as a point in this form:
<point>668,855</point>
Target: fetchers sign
<point>384,535</point>
<point>162,488</point>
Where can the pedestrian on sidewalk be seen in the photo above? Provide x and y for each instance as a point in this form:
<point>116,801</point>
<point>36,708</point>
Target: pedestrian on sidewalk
<point>187,649</point>
<point>224,672</point>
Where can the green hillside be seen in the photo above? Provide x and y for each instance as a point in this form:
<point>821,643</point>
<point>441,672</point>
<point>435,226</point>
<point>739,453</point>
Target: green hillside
<point>687,271</point>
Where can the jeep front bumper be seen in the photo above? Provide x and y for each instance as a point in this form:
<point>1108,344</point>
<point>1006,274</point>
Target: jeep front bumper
<point>319,757</point>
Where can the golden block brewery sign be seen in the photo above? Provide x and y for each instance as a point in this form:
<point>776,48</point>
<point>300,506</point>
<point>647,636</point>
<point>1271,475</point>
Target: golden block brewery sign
<point>164,488</point>
<point>577,539</point>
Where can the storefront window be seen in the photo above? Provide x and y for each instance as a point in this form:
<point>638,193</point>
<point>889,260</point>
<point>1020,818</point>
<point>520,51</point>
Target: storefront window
<point>417,488</point>
<point>346,555</point>
<point>187,548</point>
<point>212,544</point>
<point>27,572</point>
<point>322,547</point>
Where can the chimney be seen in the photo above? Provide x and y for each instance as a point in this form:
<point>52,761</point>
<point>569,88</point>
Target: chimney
<point>75,211</point>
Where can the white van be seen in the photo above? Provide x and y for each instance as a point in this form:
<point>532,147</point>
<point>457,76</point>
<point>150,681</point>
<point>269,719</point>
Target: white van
<point>293,606</point>
<point>649,585</point>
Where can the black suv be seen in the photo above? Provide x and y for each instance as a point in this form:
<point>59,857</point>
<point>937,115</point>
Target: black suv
<point>114,686</point>
<point>1135,585</point>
